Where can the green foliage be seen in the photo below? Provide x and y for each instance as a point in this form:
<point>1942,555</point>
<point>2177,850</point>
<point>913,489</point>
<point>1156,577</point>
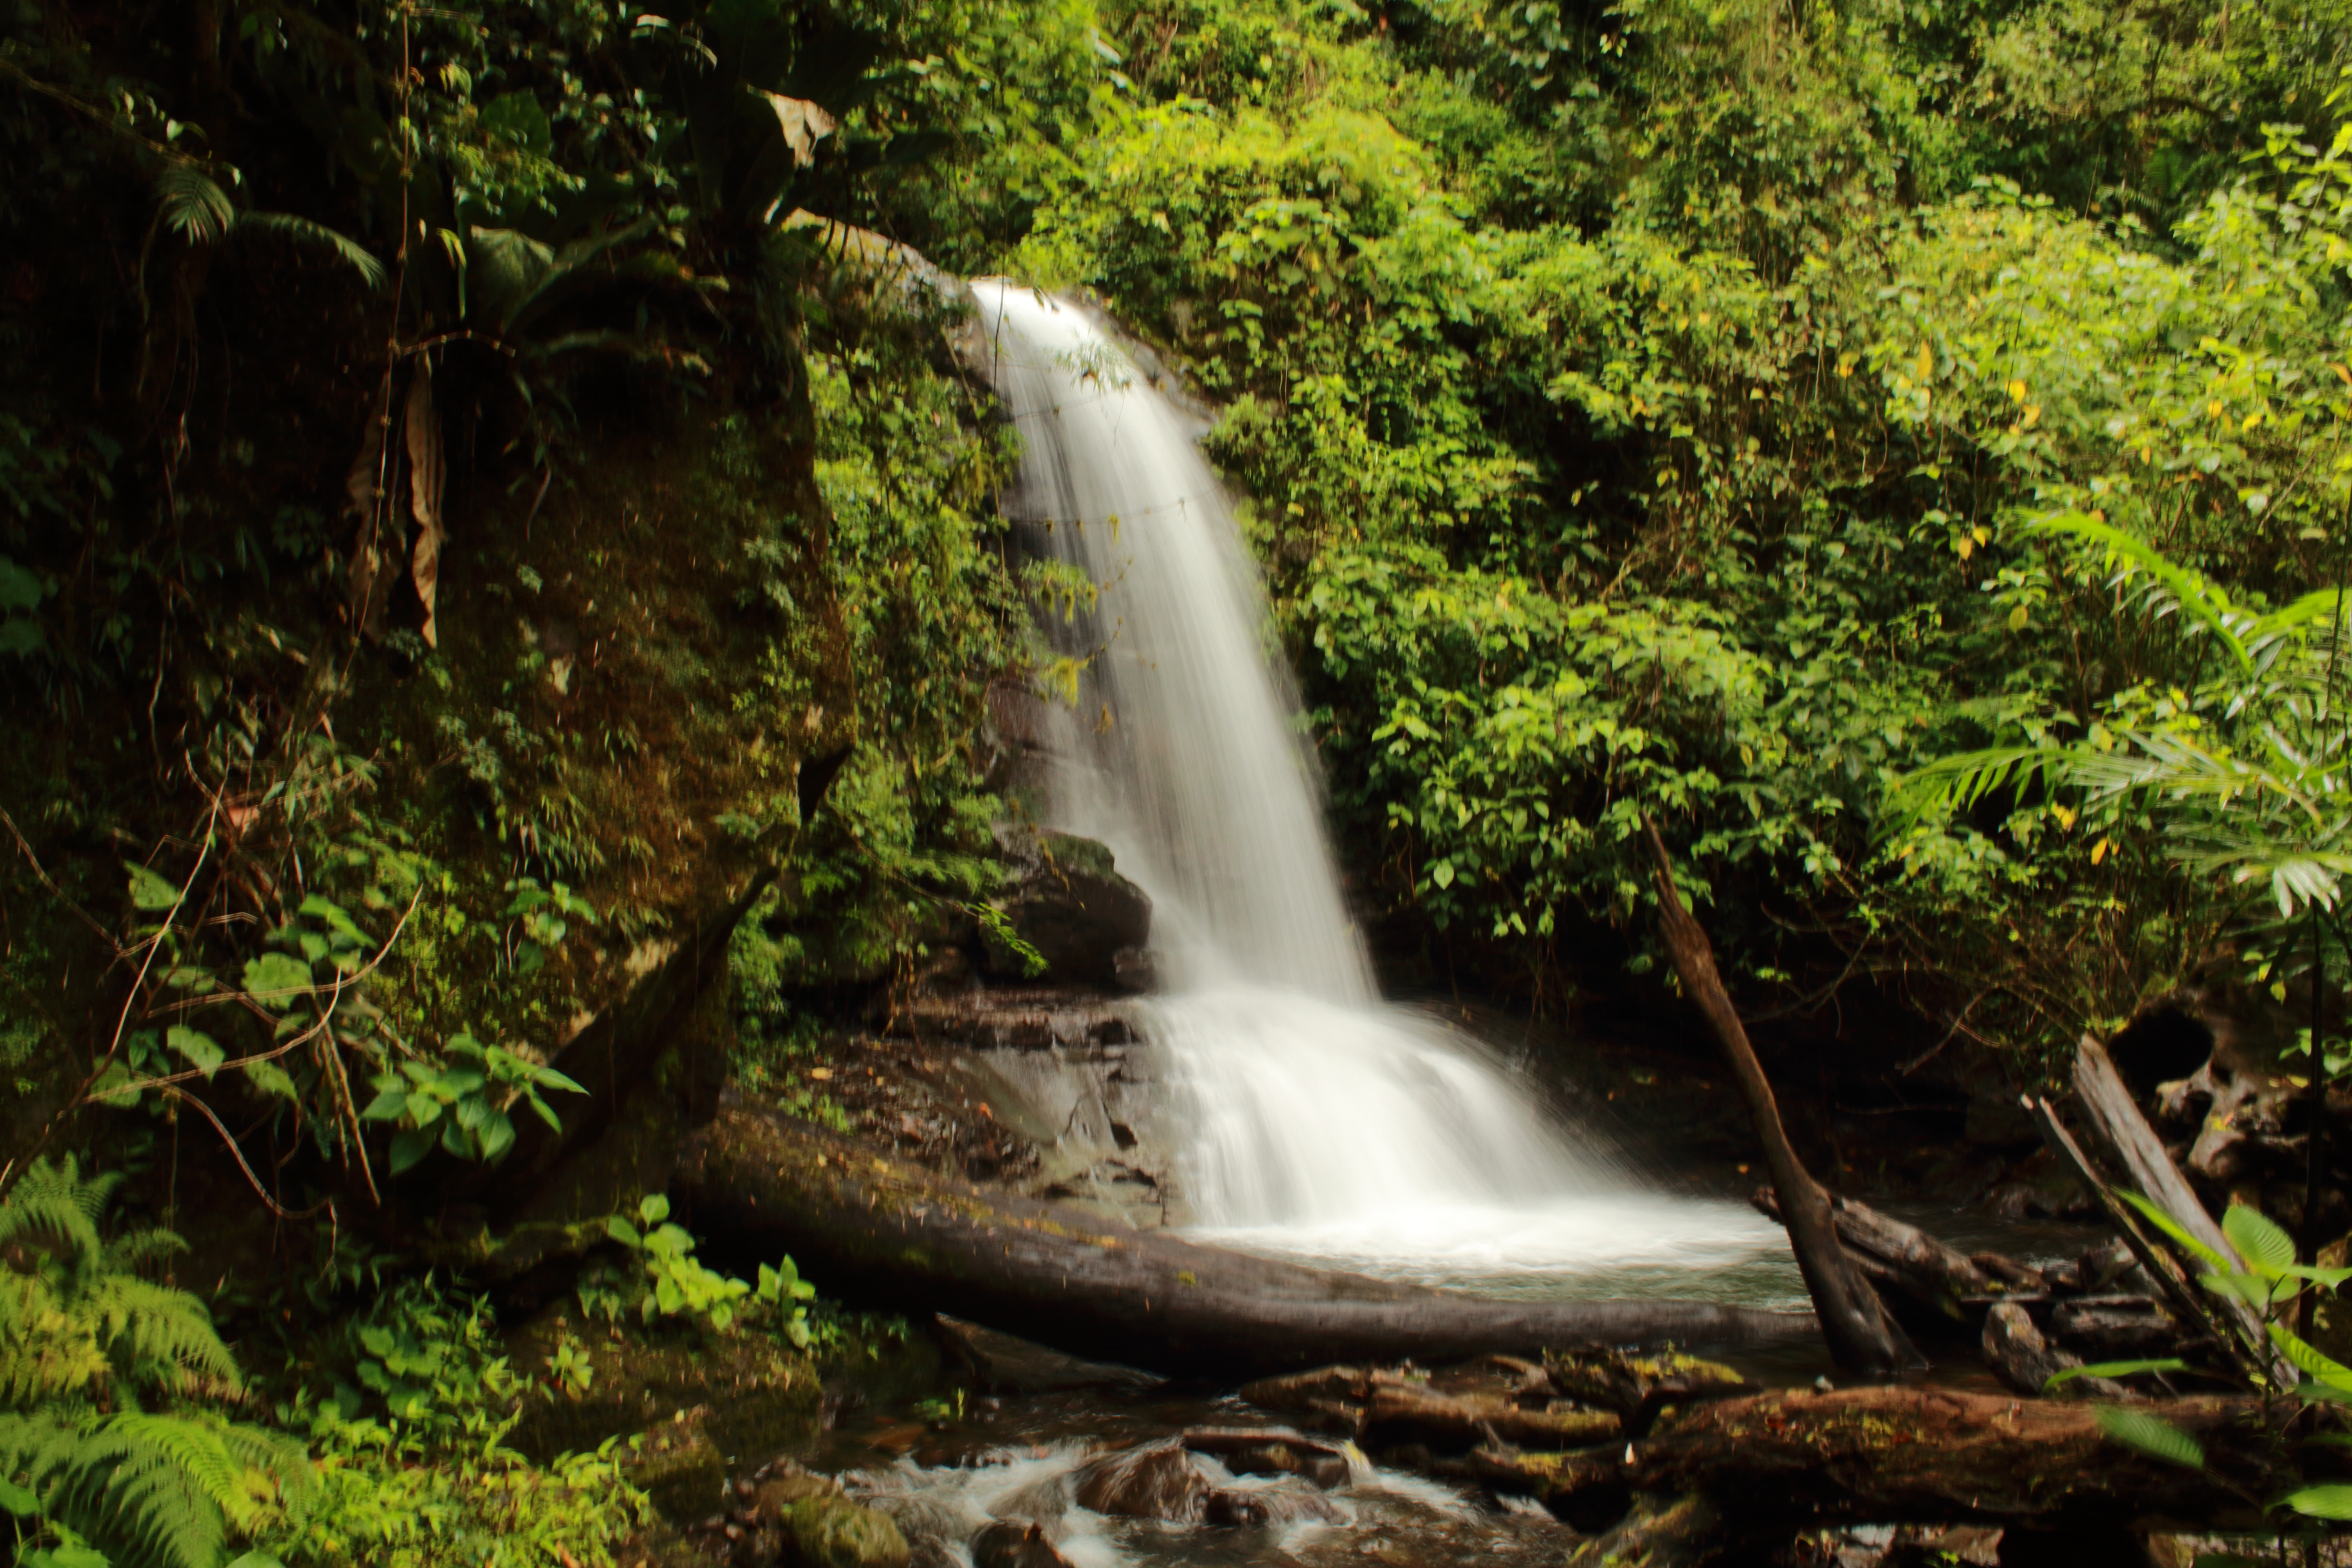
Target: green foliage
<point>414,1467</point>
<point>673,1283</point>
<point>84,1339</point>
<point>2151,1434</point>
<point>151,1490</point>
<point>77,1319</point>
<point>461,1103</point>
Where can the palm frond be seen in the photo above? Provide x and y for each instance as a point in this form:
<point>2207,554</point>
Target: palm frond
<point>2196,596</point>
<point>311,232</point>
<point>1958,781</point>
<point>192,206</point>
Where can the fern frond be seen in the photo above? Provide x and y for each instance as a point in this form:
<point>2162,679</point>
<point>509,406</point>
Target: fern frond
<point>157,1334</point>
<point>135,1249</point>
<point>154,1491</point>
<point>54,1200</point>
<point>45,1354</point>
<point>194,208</point>
<point>311,232</point>
<point>92,1301</point>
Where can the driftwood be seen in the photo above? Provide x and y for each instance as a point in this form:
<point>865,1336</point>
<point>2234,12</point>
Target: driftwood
<point>1907,1260</point>
<point>1861,1333</point>
<point>759,1185</point>
<point>1499,1400</point>
<point>2021,1358</point>
<point>2125,1134</point>
<point>2111,1327</point>
<point>1796,1459</point>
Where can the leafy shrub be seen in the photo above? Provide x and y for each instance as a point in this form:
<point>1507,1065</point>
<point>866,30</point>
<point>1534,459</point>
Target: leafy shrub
<point>413,1464</point>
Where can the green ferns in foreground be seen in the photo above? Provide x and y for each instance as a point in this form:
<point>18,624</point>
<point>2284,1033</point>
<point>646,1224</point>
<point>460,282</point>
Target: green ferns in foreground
<point>92,1478</point>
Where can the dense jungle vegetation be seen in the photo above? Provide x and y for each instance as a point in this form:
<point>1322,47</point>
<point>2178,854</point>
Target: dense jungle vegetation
<point>472,475</point>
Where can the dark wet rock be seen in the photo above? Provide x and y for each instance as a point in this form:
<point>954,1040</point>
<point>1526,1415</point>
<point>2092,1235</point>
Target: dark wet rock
<point>1132,969</point>
<point>1267,1506</point>
<point>1068,903</point>
<point>2026,1362</point>
<point>1015,1543</point>
<point>1277,1452</point>
<point>1156,1481</point>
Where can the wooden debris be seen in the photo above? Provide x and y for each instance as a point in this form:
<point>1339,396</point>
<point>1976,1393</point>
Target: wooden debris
<point>2110,1328</point>
<point>1860,1331</point>
<point>1797,1459</point>
<point>2026,1362</point>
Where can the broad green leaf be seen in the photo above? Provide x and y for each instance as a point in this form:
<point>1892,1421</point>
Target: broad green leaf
<point>2157,1438</point>
<point>654,1208</point>
<point>113,1087</point>
<point>277,980</point>
<point>2116,1369</point>
<point>386,1106</point>
<point>547,1077</point>
<point>148,890</point>
<point>2330,1371</point>
<point>2332,1501</point>
<point>198,1047</point>
<point>545,1112</point>
<point>2171,1228</point>
<point>624,1232</point>
<point>270,1079</point>
<point>16,1500</point>
<point>409,1147</point>
<point>2267,1249</point>
<point>498,1135</point>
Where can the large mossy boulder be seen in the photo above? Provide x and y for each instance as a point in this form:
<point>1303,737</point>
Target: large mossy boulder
<point>836,1531</point>
<point>1069,903</point>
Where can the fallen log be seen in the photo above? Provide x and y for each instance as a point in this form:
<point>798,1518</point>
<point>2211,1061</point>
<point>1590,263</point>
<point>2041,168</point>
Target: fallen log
<point>1797,1459</point>
<point>1862,1334</point>
<point>758,1182</point>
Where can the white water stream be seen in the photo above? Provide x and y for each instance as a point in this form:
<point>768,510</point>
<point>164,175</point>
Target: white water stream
<point>1317,1122</point>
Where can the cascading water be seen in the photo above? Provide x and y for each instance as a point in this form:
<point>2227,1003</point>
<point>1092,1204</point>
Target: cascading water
<point>1315,1122</point>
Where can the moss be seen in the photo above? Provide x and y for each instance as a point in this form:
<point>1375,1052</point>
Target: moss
<point>834,1533</point>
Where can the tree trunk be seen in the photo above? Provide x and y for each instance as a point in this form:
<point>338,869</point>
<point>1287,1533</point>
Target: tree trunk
<point>756,1183</point>
<point>1861,1333</point>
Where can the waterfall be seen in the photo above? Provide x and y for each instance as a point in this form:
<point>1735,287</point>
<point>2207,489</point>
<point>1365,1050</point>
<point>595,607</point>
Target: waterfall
<point>1316,1122</point>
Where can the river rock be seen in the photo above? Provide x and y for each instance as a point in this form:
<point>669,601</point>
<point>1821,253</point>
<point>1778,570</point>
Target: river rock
<point>832,1532</point>
<point>2021,1358</point>
<point>1268,1506</point>
<point>1276,1451</point>
<point>1159,1480</point>
<point>1068,902</point>
<point>1015,1543</point>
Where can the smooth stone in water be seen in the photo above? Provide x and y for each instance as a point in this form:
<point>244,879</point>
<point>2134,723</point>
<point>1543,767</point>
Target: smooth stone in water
<point>1015,1543</point>
<point>1158,1481</point>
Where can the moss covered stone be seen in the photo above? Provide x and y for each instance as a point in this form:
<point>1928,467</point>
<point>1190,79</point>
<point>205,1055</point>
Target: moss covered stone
<point>835,1532</point>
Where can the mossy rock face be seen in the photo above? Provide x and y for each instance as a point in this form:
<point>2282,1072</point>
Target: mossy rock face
<point>834,1533</point>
